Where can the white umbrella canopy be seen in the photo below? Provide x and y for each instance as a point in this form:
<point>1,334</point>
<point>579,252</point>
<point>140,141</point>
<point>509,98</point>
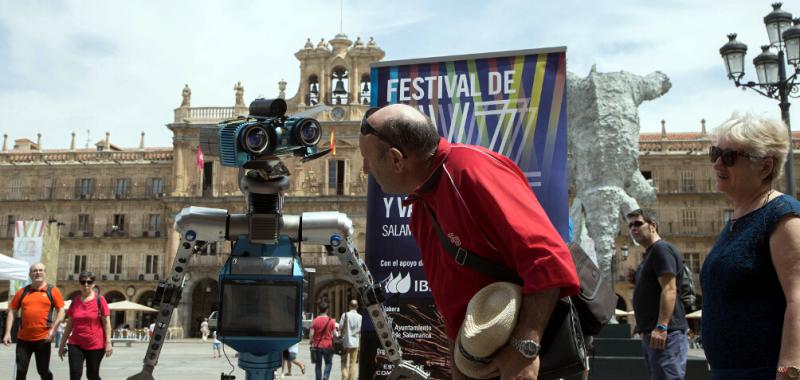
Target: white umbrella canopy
<point>13,269</point>
<point>128,305</point>
<point>695,314</point>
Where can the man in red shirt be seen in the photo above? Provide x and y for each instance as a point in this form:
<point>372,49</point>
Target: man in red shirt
<point>36,330</point>
<point>483,203</point>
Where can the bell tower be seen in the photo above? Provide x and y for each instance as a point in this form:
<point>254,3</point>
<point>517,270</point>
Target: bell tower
<point>335,73</point>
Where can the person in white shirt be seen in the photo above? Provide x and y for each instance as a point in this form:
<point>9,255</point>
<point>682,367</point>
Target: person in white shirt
<point>350,331</point>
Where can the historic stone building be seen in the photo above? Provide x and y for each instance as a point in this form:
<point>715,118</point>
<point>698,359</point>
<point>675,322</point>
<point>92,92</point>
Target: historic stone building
<point>117,205</point>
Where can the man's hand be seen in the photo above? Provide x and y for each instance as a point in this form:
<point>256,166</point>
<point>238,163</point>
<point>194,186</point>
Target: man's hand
<point>61,351</point>
<point>50,335</point>
<point>513,365</point>
<point>7,339</point>
<point>658,339</point>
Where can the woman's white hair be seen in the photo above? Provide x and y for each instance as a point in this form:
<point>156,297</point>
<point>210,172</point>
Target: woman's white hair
<point>758,136</point>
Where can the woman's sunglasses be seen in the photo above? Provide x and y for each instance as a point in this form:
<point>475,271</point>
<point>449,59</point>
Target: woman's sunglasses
<point>84,282</point>
<point>367,129</point>
<point>728,155</point>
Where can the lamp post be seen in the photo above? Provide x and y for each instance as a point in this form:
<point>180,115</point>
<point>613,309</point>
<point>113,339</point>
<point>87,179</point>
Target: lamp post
<point>771,69</point>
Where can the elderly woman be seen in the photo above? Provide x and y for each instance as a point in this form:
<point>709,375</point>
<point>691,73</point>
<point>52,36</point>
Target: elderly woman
<point>88,329</point>
<point>751,277</point>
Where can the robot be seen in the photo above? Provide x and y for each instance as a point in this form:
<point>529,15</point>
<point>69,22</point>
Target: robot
<point>261,283</point>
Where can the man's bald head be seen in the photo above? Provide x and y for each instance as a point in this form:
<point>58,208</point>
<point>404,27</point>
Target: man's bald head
<point>406,128</point>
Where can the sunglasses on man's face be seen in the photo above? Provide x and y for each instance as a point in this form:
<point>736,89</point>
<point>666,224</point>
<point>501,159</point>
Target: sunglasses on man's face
<point>728,155</point>
<point>636,223</point>
<point>85,282</point>
<point>367,129</point>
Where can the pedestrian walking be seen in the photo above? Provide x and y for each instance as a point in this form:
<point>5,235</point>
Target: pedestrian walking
<point>350,331</point>
<point>41,309</point>
<point>88,331</point>
<point>321,337</point>
<point>658,311</point>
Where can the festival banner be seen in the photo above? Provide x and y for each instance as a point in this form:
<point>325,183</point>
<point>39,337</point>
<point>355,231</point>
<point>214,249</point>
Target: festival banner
<point>511,102</point>
<point>28,240</point>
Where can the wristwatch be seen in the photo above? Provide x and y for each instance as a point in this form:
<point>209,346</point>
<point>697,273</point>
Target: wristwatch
<point>528,348</point>
<point>791,372</point>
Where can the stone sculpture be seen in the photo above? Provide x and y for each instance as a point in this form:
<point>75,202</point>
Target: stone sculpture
<point>187,96</point>
<point>239,91</point>
<point>604,154</point>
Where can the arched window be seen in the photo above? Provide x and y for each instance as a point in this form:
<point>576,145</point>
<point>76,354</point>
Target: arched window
<point>364,94</point>
<point>312,98</point>
<point>340,83</point>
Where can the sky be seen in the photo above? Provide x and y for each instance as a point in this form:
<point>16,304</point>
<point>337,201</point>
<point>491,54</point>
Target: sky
<point>93,66</point>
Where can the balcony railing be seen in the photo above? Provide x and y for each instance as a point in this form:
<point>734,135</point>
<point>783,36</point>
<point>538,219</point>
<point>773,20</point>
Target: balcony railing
<point>128,273</point>
<point>71,192</point>
<point>82,156</point>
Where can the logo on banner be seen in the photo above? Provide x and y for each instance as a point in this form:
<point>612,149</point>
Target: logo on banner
<point>400,284</point>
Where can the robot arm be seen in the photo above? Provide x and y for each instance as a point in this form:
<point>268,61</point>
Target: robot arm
<point>198,225</point>
<point>334,229</point>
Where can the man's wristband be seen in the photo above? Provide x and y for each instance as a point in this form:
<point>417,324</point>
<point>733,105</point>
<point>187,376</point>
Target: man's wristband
<point>661,327</point>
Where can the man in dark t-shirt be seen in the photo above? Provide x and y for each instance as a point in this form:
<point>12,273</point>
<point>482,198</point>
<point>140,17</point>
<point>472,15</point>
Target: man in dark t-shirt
<point>659,314</point>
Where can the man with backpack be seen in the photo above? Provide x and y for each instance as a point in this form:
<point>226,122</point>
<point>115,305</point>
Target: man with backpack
<point>41,309</point>
<point>659,314</point>
<point>479,201</point>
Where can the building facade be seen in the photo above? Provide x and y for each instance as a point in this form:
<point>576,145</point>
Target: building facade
<point>116,206</point>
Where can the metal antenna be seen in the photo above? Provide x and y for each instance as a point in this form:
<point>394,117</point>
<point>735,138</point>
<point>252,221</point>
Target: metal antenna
<point>88,138</point>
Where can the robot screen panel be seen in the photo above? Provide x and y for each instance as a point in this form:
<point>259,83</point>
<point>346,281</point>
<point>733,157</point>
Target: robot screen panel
<point>259,308</point>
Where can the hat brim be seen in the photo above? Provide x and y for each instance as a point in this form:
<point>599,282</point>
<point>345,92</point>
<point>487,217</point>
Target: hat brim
<point>473,369</point>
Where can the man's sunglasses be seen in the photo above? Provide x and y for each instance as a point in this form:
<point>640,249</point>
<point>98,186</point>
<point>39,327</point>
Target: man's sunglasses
<point>85,282</point>
<point>636,223</point>
<point>728,155</point>
<point>367,129</point>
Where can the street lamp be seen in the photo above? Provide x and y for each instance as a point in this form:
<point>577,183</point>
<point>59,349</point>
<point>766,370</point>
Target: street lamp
<point>771,69</point>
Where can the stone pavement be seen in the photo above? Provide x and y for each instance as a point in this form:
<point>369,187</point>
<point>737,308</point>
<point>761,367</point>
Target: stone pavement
<point>181,359</point>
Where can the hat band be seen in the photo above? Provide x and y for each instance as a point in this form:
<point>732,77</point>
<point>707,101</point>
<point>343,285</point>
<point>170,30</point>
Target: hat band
<point>472,358</point>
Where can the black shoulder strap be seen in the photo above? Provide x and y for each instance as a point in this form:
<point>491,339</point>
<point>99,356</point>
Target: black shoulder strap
<point>99,308</point>
<point>465,257</point>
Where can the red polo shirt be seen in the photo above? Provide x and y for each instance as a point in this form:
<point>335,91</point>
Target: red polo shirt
<point>484,203</point>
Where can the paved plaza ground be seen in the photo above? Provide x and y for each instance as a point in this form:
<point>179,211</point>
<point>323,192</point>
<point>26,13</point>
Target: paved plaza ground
<point>183,359</point>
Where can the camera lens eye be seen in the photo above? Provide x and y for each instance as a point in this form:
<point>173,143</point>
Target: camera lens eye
<point>256,140</point>
<point>309,132</point>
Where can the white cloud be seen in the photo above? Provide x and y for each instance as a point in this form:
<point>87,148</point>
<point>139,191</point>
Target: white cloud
<point>120,66</point>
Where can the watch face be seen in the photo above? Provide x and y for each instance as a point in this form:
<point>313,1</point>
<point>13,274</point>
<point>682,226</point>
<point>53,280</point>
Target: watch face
<point>337,113</point>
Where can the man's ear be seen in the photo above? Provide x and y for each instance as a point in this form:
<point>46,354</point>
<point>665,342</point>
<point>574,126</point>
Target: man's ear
<point>396,159</point>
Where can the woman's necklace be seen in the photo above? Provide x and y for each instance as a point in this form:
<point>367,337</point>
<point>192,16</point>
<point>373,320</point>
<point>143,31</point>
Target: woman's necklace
<point>766,200</point>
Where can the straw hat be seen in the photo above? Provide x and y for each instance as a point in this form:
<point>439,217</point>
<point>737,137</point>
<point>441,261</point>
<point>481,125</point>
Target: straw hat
<point>490,319</point>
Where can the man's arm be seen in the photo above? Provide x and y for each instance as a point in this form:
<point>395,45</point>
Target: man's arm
<point>658,338</point>
<point>59,318</point>
<point>9,324</point>
<point>533,317</point>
